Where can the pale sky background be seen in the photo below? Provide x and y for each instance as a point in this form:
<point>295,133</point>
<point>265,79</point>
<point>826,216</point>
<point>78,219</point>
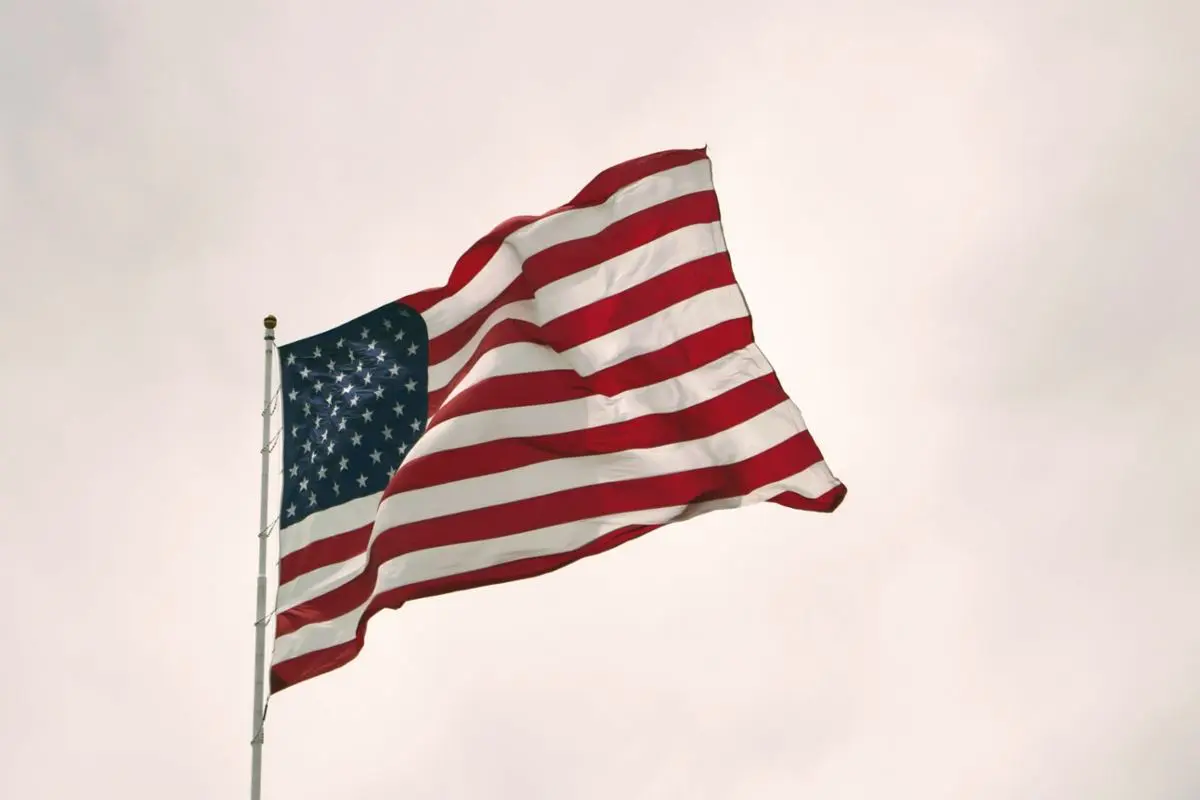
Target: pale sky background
<point>968,232</point>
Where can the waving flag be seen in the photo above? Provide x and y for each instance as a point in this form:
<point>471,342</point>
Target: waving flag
<point>585,377</point>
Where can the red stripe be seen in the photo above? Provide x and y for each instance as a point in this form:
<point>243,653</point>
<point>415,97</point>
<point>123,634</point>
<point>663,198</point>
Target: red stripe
<point>323,552</point>
<point>826,503</point>
<point>615,178</point>
<point>468,265</point>
<point>637,230</point>
<point>638,302</point>
<point>568,258</point>
<point>581,503</point>
<point>597,319</point>
<point>675,359</point>
<point>695,422</point>
<point>312,664</point>
<point>509,331</point>
<point>598,191</point>
<point>553,386</point>
<point>444,346</point>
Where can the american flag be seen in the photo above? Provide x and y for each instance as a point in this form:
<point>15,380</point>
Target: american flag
<point>586,376</point>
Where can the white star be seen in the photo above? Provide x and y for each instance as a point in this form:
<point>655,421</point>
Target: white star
<point>305,372</point>
<point>337,489</point>
<point>312,499</point>
<point>353,400</point>
<point>387,433</point>
<point>313,458</point>
<point>358,367</point>
<point>382,355</point>
<point>316,352</point>
<point>304,485</point>
<point>291,359</point>
<point>295,431</point>
<point>399,409</point>
<point>362,481</point>
<point>416,424</point>
<point>403,448</point>
<point>307,410</point>
<point>292,395</point>
<point>367,377</point>
<point>365,334</point>
<point>371,345</point>
<point>329,448</point>
<point>376,455</point>
<point>341,343</point>
<point>341,376</point>
<point>324,434</point>
<point>342,424</point>
<point>318,386</point>
<point>317,424</point>
<point>294,471</point>
<point>394,370</point>
<point>291,510</point>
<point>321,473</point>
<point>411,385</point>
<point>349,388</point>
<point>343,462</point>
<point>412,349</point>
<point>331,366</point>
<point>329,402</point>
<point>306,447</point>
<point>399,335</point>
<point>356,439</point>
<point>387,324</point>
<point>367,415</point>
<point>379,393</point>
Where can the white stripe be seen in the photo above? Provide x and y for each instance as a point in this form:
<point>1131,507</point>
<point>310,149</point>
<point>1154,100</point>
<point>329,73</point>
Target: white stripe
<point>725,447</point>
<point>587,286</point>
<point>505,265</point>
<point>441,373</point>
<point>669,396</point>
<point>687,317</point>
<point>327,523</point>
<point>319,581</point>
<point>517,358</point>
<point>632,268</point>
<point>438,562</point>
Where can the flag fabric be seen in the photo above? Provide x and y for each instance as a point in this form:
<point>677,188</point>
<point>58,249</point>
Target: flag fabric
<point>584,377</point>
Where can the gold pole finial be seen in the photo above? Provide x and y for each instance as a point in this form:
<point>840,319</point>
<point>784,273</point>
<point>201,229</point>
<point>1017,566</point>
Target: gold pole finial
<point>269,322</point>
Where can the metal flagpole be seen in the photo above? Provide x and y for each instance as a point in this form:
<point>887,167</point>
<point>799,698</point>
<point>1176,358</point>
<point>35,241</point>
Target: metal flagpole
<point>260,621</point>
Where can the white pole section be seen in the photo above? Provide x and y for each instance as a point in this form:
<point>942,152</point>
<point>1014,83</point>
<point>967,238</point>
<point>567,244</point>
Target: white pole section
<point>260,619</point>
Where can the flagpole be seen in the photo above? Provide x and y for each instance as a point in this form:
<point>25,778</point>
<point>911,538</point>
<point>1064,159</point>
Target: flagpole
<point>260,619</point>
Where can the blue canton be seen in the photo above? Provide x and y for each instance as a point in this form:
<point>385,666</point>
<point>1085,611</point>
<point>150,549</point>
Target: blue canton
<point>354,403</point>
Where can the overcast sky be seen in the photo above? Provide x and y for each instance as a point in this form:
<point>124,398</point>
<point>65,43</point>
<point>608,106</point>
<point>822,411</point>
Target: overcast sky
<point>968,234</point>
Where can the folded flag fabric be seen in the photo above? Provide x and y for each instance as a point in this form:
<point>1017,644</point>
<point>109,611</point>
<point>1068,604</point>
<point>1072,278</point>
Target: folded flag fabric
<point>586,376</point>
